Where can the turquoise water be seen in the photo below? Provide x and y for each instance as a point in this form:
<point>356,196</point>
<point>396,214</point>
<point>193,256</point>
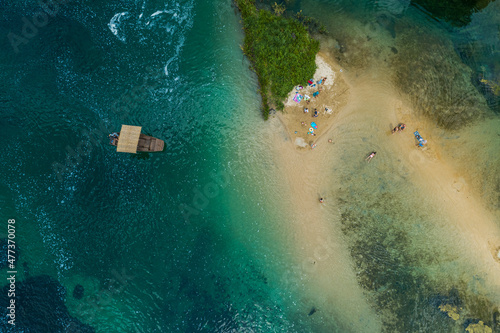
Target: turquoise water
<point>186,240</point>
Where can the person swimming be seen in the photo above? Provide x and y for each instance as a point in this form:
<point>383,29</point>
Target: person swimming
<point>369,157</point>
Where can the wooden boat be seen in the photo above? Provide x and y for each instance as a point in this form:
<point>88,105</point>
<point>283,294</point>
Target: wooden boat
<point>131,140</point>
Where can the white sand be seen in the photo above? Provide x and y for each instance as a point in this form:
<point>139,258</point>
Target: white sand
<point>323,70</point>
<point>326,275</point>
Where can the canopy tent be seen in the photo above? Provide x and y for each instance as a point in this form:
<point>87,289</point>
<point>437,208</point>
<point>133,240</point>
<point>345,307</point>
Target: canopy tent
<point>129,139</point>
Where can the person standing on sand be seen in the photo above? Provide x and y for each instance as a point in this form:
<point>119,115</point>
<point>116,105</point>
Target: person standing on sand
<point>369,157</point>
<point>321,200</point>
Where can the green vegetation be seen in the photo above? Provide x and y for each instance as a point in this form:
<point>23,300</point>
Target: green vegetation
<point>280,49</point>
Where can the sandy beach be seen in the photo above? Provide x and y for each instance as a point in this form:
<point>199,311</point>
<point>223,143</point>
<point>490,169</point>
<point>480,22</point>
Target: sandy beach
<point>364,109</point>
<point>333,95</point>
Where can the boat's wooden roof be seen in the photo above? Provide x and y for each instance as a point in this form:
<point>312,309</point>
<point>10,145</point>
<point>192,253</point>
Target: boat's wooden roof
<point>129,138</point>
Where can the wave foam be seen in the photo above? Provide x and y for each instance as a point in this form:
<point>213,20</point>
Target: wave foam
<point>165,28</point>
<point>115,25</point>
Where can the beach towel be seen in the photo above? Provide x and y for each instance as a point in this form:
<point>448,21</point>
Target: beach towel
<point>297,98</point>
<point>313,125</point>
<point>421,141</point>
<point>316,94</point>
<point>320,81</point>
<point>310,82</point>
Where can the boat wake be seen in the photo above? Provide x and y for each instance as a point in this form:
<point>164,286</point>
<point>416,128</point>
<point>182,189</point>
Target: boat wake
<point>165,28</point>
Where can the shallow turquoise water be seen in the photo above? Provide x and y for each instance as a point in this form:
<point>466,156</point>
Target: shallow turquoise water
<point>176,241</point>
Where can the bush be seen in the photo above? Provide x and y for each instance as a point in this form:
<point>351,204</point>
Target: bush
<point>281,51</point>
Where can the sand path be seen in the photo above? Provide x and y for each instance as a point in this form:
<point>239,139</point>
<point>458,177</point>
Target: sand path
<point>324,272</point>
<point>324,268</point>
<point>363,124</point>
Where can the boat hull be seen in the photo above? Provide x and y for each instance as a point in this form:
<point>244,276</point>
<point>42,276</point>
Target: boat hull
<point>150,144</point>
<point>147,144</point>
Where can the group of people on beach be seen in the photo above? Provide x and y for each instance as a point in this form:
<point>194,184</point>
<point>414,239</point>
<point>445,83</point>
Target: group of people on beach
<point>298,97</point>
<point>398,128</point>
<point>420,142</point>
<point>315,113</point>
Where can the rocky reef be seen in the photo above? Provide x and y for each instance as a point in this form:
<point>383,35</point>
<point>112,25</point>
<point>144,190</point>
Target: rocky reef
<point>39,307</point>
<point>437,82</point>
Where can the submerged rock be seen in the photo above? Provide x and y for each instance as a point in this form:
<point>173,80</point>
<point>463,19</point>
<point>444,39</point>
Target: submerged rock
<point>458,13</point>
<point>451,310</point>
<point>437,81</point>
<point>496,319</point>
<point>313,311</point>
<point>478,328</point>
<point>388,23</point>
<point>78,291</point>
<point>40,307</point>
